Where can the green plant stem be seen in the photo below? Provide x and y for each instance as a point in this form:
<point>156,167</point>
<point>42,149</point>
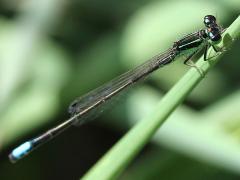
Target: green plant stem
<point>122,153</point>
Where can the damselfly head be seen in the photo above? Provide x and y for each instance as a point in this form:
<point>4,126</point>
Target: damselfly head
<point>209,20</point>
<point>213,31</point>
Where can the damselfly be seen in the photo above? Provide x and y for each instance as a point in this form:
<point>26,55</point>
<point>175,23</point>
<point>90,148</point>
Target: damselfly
<point>83,106</point>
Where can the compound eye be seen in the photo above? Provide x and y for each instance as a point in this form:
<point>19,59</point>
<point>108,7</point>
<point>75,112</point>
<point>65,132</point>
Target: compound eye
<point>209,19</point>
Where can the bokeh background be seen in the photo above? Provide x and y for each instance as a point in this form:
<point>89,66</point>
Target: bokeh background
<point>52,51</point>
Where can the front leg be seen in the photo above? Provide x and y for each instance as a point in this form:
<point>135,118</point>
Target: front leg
<point>188,60</point>
<point>190,63</point>
<point>217,51</point>
<point>206,51</point>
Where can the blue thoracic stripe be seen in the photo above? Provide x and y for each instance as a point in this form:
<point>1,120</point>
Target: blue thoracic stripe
<point>211,35</point>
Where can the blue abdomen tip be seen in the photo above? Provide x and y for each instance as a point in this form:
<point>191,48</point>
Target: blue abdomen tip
<point>20,151</point>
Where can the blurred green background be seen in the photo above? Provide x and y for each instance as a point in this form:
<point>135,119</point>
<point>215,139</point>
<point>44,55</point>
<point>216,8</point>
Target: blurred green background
<point>52,51</point>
